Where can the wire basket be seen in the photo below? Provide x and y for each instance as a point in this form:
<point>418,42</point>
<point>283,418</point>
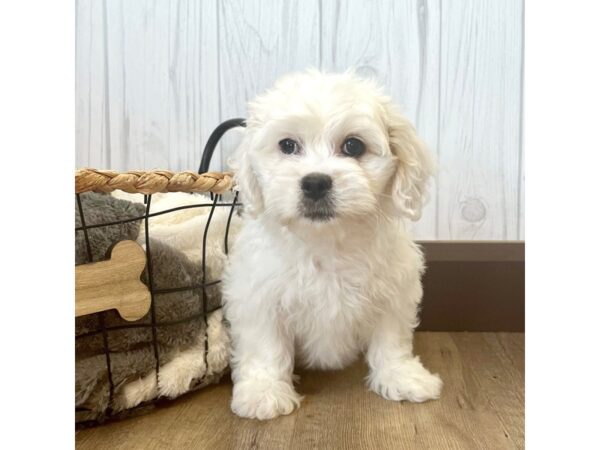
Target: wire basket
<point>219,186</point>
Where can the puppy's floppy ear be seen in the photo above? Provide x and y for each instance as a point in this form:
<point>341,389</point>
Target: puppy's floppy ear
<point>245,178</point>
<point>414,165</point>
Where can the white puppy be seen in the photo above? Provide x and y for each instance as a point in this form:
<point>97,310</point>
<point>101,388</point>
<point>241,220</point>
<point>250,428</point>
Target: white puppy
<point>323,267</point>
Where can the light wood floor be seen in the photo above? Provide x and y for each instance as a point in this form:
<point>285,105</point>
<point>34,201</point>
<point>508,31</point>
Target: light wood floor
<point>481,407</point>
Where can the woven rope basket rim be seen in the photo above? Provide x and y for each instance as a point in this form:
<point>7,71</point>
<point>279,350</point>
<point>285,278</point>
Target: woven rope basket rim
<point>151,182</point>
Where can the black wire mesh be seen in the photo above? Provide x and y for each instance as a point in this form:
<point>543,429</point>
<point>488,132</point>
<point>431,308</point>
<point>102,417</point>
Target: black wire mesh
<point>104,330</point>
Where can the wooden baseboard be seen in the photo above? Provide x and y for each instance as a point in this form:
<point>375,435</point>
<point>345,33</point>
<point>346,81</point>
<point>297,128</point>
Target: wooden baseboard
<point>474,286</point>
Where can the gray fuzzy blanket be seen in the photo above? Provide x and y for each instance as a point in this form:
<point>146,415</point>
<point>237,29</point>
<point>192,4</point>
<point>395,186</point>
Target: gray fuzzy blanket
<point>131,350</point>
<point>103,208</point>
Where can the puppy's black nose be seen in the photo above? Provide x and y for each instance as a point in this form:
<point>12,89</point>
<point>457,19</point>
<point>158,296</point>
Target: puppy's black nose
<point>316,185</point>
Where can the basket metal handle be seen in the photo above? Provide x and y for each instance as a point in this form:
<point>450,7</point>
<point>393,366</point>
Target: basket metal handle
<point>214,139</point>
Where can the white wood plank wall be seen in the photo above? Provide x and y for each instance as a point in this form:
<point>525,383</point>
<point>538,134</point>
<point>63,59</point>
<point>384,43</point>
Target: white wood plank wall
<point>154,77</point>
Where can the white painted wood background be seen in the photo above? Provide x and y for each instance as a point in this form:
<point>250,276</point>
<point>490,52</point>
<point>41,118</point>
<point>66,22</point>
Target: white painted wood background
<point>154,77</point>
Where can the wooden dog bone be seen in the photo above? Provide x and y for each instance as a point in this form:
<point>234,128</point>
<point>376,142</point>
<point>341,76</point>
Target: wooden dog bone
<point>114,284</point>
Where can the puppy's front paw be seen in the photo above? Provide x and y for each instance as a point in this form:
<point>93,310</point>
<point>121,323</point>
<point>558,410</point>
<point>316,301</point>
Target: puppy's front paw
<point>406,380</point>
<point>264,399</point>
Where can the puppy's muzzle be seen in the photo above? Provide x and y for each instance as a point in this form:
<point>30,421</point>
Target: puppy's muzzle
<point>317,202</point>
<point>316,185</point>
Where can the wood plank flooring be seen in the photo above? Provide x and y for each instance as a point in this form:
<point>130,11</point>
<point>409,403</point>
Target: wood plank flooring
<point>482,407</point>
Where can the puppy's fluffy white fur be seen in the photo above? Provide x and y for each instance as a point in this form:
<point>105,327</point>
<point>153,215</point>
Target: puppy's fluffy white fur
<point>323,291</point>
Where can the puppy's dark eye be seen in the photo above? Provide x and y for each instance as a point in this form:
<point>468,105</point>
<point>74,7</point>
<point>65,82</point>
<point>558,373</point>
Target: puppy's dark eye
<point>288,146</point>
<point>353,147</point>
